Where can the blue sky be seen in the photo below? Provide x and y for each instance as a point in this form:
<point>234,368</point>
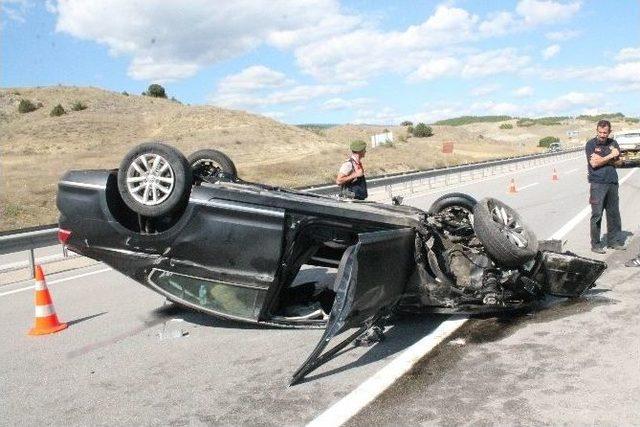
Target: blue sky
<point>326,61</point>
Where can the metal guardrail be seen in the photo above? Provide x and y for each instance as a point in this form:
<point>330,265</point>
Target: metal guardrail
<point>396,178</point>
<point>29,239</point>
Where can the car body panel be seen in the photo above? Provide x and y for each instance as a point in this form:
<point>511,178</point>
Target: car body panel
<point>371,279</point>
<point>234,249</point>
<point>628,140</point>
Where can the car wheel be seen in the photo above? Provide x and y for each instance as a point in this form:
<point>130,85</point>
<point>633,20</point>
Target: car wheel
<point>457,205</point>
<point>507,240</point>
<point>207,164</point>
<point>154,179</point>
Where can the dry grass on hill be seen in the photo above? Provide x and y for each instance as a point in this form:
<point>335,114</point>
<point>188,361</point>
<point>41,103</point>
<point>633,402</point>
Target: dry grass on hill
<point>37,149</point>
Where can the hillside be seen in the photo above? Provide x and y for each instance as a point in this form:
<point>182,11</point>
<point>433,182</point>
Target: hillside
<point>37,149</point>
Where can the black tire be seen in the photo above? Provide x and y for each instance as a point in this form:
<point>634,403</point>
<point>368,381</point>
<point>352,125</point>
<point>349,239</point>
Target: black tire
<point>449,200</point>
<point>509,246</point>
<point>211,163</point>
<point>168,188</point>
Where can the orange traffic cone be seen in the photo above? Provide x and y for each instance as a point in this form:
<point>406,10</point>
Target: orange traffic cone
<point>512,186</point>
<point>46,318</point>
<point>554,177</point>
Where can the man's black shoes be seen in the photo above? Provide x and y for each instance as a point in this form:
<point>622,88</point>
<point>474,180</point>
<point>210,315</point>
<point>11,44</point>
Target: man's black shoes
<point>618,247</point>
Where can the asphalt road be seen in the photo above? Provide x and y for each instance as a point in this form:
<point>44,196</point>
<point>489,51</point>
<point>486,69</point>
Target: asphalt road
<point>576,362</point>
<point>127,358</point>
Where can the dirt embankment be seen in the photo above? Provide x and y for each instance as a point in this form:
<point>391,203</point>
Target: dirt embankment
<point>37,148</point>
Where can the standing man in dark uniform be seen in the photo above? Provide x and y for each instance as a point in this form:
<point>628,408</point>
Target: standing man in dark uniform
<point>351,174</point>
<point>601,152</point>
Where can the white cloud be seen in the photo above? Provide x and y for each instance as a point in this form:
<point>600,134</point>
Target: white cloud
<point>495,108</point>
<point>473,65</point>
<point>536,12</point>
<point>628,53</point>
<point>523,92</point>
<point>436,67</point>
<point>334,104</point>
<point>568,103</point>
<point>529,14</point>
<point>565,104</point>
<point>384,116</point>
<point>622,73</point>
<point>494,62</point>
<point>499,24</point>
<point>435,112</point>
<point>15,9</point>
<point>146,68</point>
<point>253,78</point>
<point>563,35</point>
<point>360,54</point>
<point>551,51</point>
<point>172,40</point>
<point>485,90</point>
<point>258,86</point>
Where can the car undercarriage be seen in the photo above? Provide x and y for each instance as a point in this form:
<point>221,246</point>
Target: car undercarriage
<point>194,232</point>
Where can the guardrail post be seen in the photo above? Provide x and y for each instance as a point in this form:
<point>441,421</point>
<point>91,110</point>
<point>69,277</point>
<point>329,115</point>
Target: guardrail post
<point>32,263</point>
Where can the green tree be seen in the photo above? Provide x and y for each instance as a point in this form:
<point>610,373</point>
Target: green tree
<point>422,131</point>
<point>79,106</point>
<point>406,123</point>
<point>156,91</point>
<point>58,110</point>
<point>547,140</point>
<point>26,106</point>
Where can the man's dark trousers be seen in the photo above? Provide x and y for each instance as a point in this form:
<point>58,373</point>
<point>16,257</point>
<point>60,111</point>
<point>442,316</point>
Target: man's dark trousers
<point>605,197</point>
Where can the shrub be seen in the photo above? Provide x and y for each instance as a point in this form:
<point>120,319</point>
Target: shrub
<point>79,106</point>
<point>156,91</point>
<point>406,123</point>
<point>465,120</point>
<point>605,116</point>
<point>410,129</point>
<point>422,131</point>
<point>547,140</point>
<point>525,122</point>
<point>26,106</point>
<point>125,93</point>
<point>57,111</point>
<point>173,98</point>
<point>506,126</point>
<point>632,120</point>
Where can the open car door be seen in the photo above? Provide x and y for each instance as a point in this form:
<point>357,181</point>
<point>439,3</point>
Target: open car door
<point>370,280</point>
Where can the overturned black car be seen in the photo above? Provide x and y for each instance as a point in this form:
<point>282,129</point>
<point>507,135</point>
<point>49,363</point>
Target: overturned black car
<point>191,230</point>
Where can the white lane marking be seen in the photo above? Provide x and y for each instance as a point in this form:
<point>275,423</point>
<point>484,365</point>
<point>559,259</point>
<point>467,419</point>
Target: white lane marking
<point>565,229</point>
<point>352,403</point>
<point>342,411</point>
<point>472,182</point>
<point>529,185</point>
<point>53,282</point>
<point>570,171</point>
